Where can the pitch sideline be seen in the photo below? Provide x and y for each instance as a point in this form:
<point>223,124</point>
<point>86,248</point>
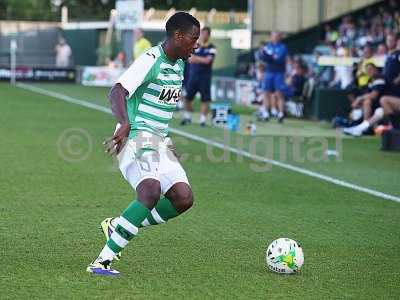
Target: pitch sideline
<point>222,146</point>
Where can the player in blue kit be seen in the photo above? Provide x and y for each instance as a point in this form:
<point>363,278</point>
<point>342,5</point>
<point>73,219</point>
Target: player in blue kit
<point>199,77</point>
<point>274,55</point>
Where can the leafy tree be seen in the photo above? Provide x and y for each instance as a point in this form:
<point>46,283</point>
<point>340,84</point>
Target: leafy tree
<point>49,10</point>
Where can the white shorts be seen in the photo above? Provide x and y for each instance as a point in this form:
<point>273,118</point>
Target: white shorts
<point>148,156</point>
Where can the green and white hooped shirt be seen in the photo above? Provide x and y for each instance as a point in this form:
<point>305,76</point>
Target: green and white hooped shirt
<point>154,84</point>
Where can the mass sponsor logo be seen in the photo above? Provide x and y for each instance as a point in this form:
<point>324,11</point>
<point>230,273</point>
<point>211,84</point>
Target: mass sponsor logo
<point>170,94</point>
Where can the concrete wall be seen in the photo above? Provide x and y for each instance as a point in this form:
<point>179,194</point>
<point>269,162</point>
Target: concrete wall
<point>296,15</point>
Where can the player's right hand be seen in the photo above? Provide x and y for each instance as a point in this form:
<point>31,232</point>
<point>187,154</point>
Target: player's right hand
<point>114,144</point>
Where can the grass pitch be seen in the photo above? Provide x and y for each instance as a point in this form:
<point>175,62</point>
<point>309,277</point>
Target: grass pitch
<point>54,194</point>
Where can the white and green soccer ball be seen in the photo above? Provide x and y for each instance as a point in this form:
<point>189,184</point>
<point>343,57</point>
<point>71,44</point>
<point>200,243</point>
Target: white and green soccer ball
<point>284,256</point>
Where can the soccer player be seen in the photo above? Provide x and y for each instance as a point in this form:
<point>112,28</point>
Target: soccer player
<point>200,69</point>
<point>143,101</point>
<point>274,55</point>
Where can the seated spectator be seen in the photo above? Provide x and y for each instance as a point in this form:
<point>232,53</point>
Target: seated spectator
<point>390,102</point>
<point>362,75</point>
<point>119,61</point>
<point>343,74</point>
<point>369,101</point>
<point>295,83</point>
<point>331,36</point>
<point>361,79</point>
<point>391,71</point>
<point>362,31</point>
<point>388,21</point>
<point>390,107</point>
<point>381,51</point>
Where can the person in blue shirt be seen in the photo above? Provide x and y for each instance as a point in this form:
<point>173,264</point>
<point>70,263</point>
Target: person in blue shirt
<point>391,70</point>
<point>274,55</point>
<point>199,77</point>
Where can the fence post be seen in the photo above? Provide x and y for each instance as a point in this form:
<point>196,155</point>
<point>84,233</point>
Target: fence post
<point>13,60</point>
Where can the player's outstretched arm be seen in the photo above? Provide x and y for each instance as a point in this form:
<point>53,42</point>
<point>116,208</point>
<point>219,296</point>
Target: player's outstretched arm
<point>125,87</point>
<point>117,98</point>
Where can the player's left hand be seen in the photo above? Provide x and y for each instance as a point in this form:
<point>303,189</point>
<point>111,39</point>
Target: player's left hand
<point>114,144</point>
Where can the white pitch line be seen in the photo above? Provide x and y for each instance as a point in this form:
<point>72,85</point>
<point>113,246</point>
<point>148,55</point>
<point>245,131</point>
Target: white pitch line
<point>222,146</point>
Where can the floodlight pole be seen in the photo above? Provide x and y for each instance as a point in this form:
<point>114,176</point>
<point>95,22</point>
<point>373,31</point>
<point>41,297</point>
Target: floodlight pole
<point>64,15</point>
<point>127,44</point>
<point>13,60</point>
<point>129,16</point>
<point>250,14</point>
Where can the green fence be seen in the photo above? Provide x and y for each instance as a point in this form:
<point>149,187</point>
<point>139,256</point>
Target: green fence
<point>83,44</point>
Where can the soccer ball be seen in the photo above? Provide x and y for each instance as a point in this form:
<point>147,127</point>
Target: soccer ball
<point>284,256</point>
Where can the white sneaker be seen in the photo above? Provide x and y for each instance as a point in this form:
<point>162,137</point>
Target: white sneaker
<point>354,131</point>
<point>102,268</point>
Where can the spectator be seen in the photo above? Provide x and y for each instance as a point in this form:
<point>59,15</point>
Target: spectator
<point>199,80</point>
<point>362,75</point>
<point>369,101</point>
<point>331,36</point>
<point>391,71</point>
<point>343,74</point>
<point>295,83</point>
<point>274,55</point>
<point>381,51</point>
<point>390,107</point>
<point>141,43</point>
<point>258,53</point>
<point>388,21</point>
<point>390,102</point>
<point>63,54</point>
<point>362,28</point>
<point>119,61</point>
<point>290,67</point>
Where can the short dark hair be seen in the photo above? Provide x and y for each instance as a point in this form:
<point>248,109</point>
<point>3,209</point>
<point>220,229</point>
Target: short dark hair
<point>367,45</point>
<point>181,21</point>
<point>208,29</point>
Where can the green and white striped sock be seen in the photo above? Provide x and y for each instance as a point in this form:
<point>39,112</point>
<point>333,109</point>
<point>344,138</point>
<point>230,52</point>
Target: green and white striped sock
<point>161,213</point>
<point>134,217</point>
<point>126,229</point>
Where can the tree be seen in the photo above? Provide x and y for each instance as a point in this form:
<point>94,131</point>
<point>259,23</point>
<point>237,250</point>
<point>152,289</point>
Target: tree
<point>49,10</point>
